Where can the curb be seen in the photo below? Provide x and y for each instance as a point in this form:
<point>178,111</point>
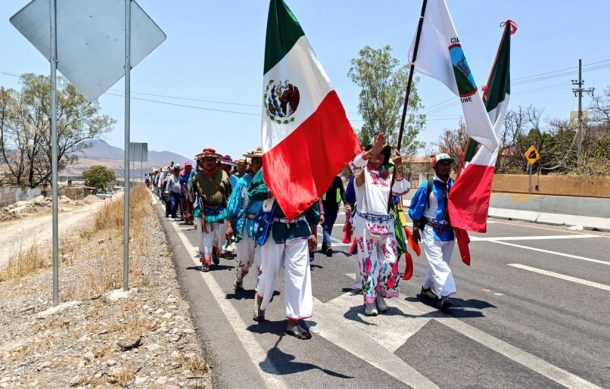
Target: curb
<point>555,219</point>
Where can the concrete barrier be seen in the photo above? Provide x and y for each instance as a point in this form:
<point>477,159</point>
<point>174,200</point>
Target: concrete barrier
<point>579,186</point>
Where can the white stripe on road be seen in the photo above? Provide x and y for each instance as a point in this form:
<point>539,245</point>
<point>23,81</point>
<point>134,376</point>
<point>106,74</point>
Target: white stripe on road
<point>524,358</point>
<point>552,252</point>
<point>540,237</point>
<point>352,337</point>
<point>256,353</point>
<point>562,276</point>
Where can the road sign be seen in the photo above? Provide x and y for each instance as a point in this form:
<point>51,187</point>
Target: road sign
<point>138,152</point>
<point>90,39</point>
<point>532,155</point>
<point>94,44</point>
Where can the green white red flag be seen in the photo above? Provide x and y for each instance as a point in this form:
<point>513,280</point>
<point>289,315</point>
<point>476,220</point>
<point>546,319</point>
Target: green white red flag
<point>470,196</point>
<point>306,136</point>
<point>440,55</point>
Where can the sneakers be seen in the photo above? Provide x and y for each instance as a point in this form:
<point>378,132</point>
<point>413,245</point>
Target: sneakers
<point>370,309</point>
<point>427,292</point>
<point>329,252</point>
<point>205,267</point>
<point>381,304</point>
<point>258,314</point>
<point>445,304</point>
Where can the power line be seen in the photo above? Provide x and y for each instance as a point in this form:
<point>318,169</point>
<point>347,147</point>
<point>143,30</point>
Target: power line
<point>187,106</point>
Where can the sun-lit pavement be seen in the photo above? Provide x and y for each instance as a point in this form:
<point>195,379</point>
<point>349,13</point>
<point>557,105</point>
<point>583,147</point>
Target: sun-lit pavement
<point>531,311</point>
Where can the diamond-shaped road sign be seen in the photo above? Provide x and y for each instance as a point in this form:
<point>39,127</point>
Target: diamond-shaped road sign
<point>90,39</point>
<point>532,155</point>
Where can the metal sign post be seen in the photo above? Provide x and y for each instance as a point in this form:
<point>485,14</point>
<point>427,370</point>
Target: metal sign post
<point>54,178</point>
<point>97,49</point>
<point>529,178</point>
<point>127,141</point>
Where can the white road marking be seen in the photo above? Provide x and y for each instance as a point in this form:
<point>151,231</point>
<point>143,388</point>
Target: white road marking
<point>524,358</point>
<point>553,252</point>
<point>539,237</point>
<point>256,353</point>
<point>562,276</point>
<point>355,338</point>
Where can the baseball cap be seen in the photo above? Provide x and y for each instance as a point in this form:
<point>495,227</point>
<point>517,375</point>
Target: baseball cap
<point>441,157</point>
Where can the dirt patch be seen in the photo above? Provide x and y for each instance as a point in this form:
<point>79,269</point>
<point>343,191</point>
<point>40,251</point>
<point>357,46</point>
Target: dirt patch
<point>144,338</point>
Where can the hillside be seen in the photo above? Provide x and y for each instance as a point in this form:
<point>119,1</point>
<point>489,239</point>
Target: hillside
<point>101,153</point>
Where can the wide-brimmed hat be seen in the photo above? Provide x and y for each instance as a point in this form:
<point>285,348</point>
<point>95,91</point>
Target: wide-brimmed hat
<point>441,157</point>
<point>239,161</point>
<point>209,152</point>
<point>258,153</point>
<point>227,160</point>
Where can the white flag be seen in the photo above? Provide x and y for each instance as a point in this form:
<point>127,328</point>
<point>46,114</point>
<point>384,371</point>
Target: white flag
<point>440,56</point>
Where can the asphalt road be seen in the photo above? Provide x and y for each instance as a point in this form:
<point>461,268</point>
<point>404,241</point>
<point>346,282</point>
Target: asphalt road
<point>530,312</point>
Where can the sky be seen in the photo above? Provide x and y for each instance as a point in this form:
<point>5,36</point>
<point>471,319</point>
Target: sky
<point>203,86</point>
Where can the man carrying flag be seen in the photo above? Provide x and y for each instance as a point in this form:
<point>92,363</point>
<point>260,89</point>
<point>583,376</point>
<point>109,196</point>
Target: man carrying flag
<point>430,216</point>
<point>306,141</point>
<point>437,52</point>
<point>306,136</point>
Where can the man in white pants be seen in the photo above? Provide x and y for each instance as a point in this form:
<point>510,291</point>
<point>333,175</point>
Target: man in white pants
<point>287,246</point>
<point>212,186</point>
<point>430,214</point>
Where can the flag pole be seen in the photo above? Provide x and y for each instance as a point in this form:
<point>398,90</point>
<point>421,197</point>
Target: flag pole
<point>420,25</point>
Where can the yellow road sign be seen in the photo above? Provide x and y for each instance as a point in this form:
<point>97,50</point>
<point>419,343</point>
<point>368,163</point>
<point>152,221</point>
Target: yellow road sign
<point>532,155</point>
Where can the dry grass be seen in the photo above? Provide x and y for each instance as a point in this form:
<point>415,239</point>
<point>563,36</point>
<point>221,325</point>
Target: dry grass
<point>26,262</point>
<point>107,228</point>
<point>124,376</point>
<point>137,326</point>
<point>196,365</point>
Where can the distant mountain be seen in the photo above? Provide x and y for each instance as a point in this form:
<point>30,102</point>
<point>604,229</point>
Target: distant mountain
<point>101,153</point>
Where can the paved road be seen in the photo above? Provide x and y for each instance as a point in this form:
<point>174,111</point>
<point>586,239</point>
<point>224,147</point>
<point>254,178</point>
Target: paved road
<point>531,312</point>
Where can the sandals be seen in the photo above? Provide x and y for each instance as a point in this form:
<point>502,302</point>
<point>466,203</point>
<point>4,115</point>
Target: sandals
<point>258,314</point>
<point>299,331</point>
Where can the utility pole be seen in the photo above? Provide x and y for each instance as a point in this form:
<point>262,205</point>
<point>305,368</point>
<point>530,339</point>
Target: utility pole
<point>578,93</point>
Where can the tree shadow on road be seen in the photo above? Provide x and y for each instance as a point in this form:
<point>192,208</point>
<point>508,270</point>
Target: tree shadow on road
<point>279,362</point>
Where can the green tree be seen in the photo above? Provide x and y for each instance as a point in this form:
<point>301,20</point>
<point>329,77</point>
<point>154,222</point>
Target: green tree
<point>99,177</point>
<point>25,127</point>
<point>383,82</point>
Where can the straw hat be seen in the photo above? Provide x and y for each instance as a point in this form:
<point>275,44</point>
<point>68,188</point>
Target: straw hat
<point>258,153</point>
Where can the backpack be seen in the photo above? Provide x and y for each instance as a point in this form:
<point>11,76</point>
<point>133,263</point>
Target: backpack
<point>429,186</point>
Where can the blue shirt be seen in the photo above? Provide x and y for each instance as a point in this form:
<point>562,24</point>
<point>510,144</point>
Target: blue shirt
<point>420,207</point>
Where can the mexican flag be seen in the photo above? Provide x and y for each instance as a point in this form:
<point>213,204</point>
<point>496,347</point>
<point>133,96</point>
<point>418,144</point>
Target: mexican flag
<point>440,55</point>
<point>306,136</point>
<point>470,196</point>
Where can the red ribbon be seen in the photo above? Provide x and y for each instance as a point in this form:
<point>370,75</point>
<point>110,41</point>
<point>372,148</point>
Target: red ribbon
<point>512,24</point>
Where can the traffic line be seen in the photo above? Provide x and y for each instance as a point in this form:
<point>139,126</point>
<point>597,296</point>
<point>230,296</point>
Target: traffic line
<point>552,252</point>
<point>540,366</point>
<point>524,358</point>
<point>371,343</point>
<point>562,276</point>
<point>257,354</point>
<point>540,237</point>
